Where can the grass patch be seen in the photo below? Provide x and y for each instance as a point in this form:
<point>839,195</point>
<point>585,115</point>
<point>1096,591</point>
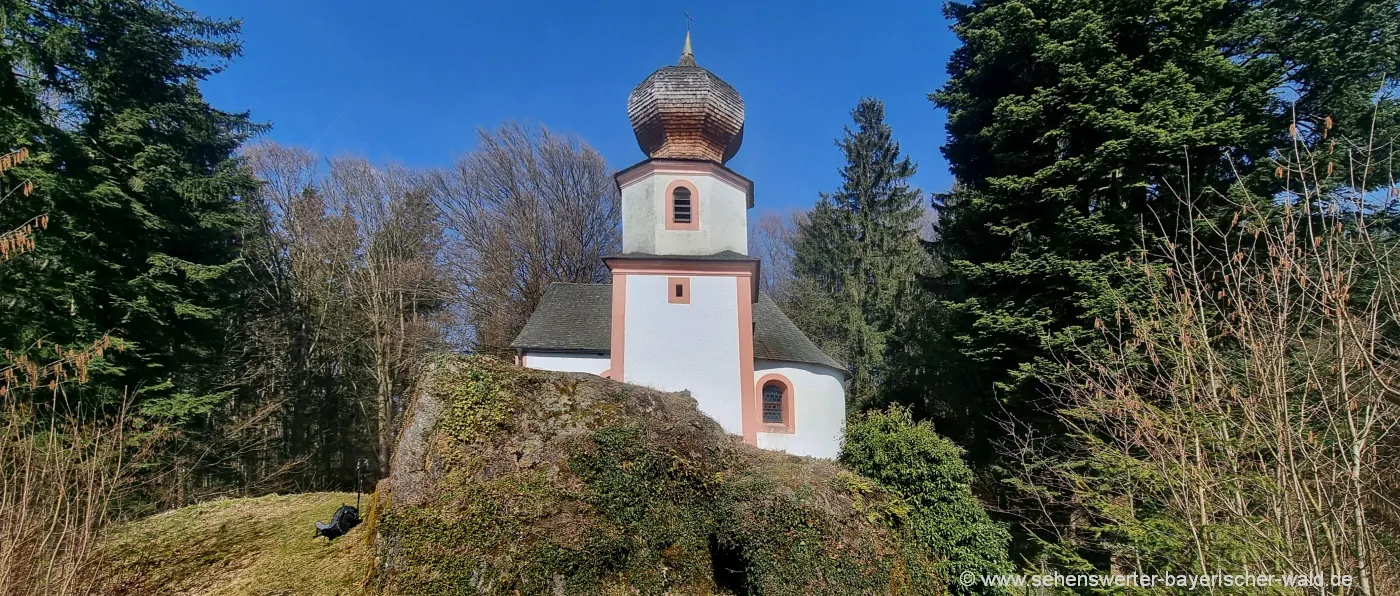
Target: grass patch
<point>518,483</point>
<point>261,546</point>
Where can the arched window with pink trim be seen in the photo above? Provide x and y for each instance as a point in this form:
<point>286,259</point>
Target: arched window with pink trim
<point>682,206</point>
<point>681,209</point>
<point>775,405</point>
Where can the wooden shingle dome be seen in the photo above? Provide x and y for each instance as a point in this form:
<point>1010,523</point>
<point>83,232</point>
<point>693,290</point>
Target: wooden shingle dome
<point>686,112</point>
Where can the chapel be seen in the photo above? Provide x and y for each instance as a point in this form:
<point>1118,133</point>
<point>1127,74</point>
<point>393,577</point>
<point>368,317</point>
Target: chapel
<point>683,311</point>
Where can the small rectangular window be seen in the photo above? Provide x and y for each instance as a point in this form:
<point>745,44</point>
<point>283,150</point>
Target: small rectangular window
<point>678,290</point>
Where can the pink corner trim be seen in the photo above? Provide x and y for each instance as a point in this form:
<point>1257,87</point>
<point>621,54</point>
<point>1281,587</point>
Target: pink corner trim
<point>748,408</point>
<point>619,326</point>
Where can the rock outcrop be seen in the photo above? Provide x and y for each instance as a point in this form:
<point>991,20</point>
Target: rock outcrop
<point>508,480</point>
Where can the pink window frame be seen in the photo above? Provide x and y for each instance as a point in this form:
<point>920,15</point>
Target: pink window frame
<point>671,284</point>
<point>671,206</point>
<point>789,424</point>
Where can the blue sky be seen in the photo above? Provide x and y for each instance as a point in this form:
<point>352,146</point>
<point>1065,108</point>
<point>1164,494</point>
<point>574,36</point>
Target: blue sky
<point>412,81</point>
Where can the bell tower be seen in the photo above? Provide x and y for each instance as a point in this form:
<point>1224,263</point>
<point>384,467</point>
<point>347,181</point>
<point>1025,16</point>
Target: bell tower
<point>682,200</point>
<point>684,286</point>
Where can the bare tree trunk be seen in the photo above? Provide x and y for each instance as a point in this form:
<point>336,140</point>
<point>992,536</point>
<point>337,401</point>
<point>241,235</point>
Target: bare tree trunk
<point>359,251</point>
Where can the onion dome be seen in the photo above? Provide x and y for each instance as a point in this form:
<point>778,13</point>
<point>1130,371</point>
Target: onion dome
<point>686,112</point>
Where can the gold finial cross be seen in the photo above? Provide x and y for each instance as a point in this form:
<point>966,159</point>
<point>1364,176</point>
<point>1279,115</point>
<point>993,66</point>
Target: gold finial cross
<point>687,57</point>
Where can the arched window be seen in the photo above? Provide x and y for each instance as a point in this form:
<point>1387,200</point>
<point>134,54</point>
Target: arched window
<point>682,201</point>
<point>773,395</point>
<point>680,205</point>
<point>775,404</point>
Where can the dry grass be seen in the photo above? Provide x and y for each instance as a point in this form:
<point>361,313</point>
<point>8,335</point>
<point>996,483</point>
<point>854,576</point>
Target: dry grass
<point>59,476</point>
<point>260,546</point>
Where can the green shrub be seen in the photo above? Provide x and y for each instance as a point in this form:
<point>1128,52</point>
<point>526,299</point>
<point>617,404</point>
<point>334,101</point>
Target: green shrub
<point>927,470</point>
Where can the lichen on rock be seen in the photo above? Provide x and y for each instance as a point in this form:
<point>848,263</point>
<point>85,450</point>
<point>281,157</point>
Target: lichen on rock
<point>509,480</point>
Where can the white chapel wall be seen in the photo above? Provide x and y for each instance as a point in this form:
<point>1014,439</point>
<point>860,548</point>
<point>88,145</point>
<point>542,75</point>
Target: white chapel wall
<point>723,217</point>
<point>695,347</point>
<point>594,364</point>
<point>819,408</point>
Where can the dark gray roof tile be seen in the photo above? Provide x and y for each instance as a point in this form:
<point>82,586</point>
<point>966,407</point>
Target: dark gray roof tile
<point>570,318</point>
<point>578,318</point>
<point>776,337</point>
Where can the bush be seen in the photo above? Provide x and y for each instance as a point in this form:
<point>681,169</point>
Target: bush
<point>1245,417</point>
<point>927,470</point>
<point>61,480</point>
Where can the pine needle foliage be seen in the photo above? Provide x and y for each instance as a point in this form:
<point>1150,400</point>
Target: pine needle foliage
<point>857,255</point>
<point>131,177</point>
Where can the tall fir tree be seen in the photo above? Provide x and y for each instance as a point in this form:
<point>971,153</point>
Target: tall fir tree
<point>857,255</point>
<point>137,173</point>
<point>1074,129</point>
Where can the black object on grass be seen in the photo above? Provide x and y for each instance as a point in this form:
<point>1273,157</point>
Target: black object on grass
<point>347,517</point>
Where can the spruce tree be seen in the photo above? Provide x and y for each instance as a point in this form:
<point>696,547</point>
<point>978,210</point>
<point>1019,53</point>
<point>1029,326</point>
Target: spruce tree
<point>857,256</point>
<point>138,176</point>
<point>1074,128</point>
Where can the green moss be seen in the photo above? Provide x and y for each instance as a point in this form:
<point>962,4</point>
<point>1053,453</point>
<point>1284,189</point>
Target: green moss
<point>484,533</point>
<point>550,483</point>
<point>878,505</point>
<point>681,513</point>
<point>478,400</point>
<point>541,483</point>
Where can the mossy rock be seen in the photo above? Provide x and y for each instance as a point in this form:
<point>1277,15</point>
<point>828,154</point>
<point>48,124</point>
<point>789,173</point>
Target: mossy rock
<point>508,480</point>
<point>514,481</point>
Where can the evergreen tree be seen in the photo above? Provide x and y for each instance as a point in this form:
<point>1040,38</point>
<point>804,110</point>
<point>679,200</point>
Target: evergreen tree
<point>136,172</point>
<point>1074,126</point>
<point>857,256</point>
<point>1074,129</point>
